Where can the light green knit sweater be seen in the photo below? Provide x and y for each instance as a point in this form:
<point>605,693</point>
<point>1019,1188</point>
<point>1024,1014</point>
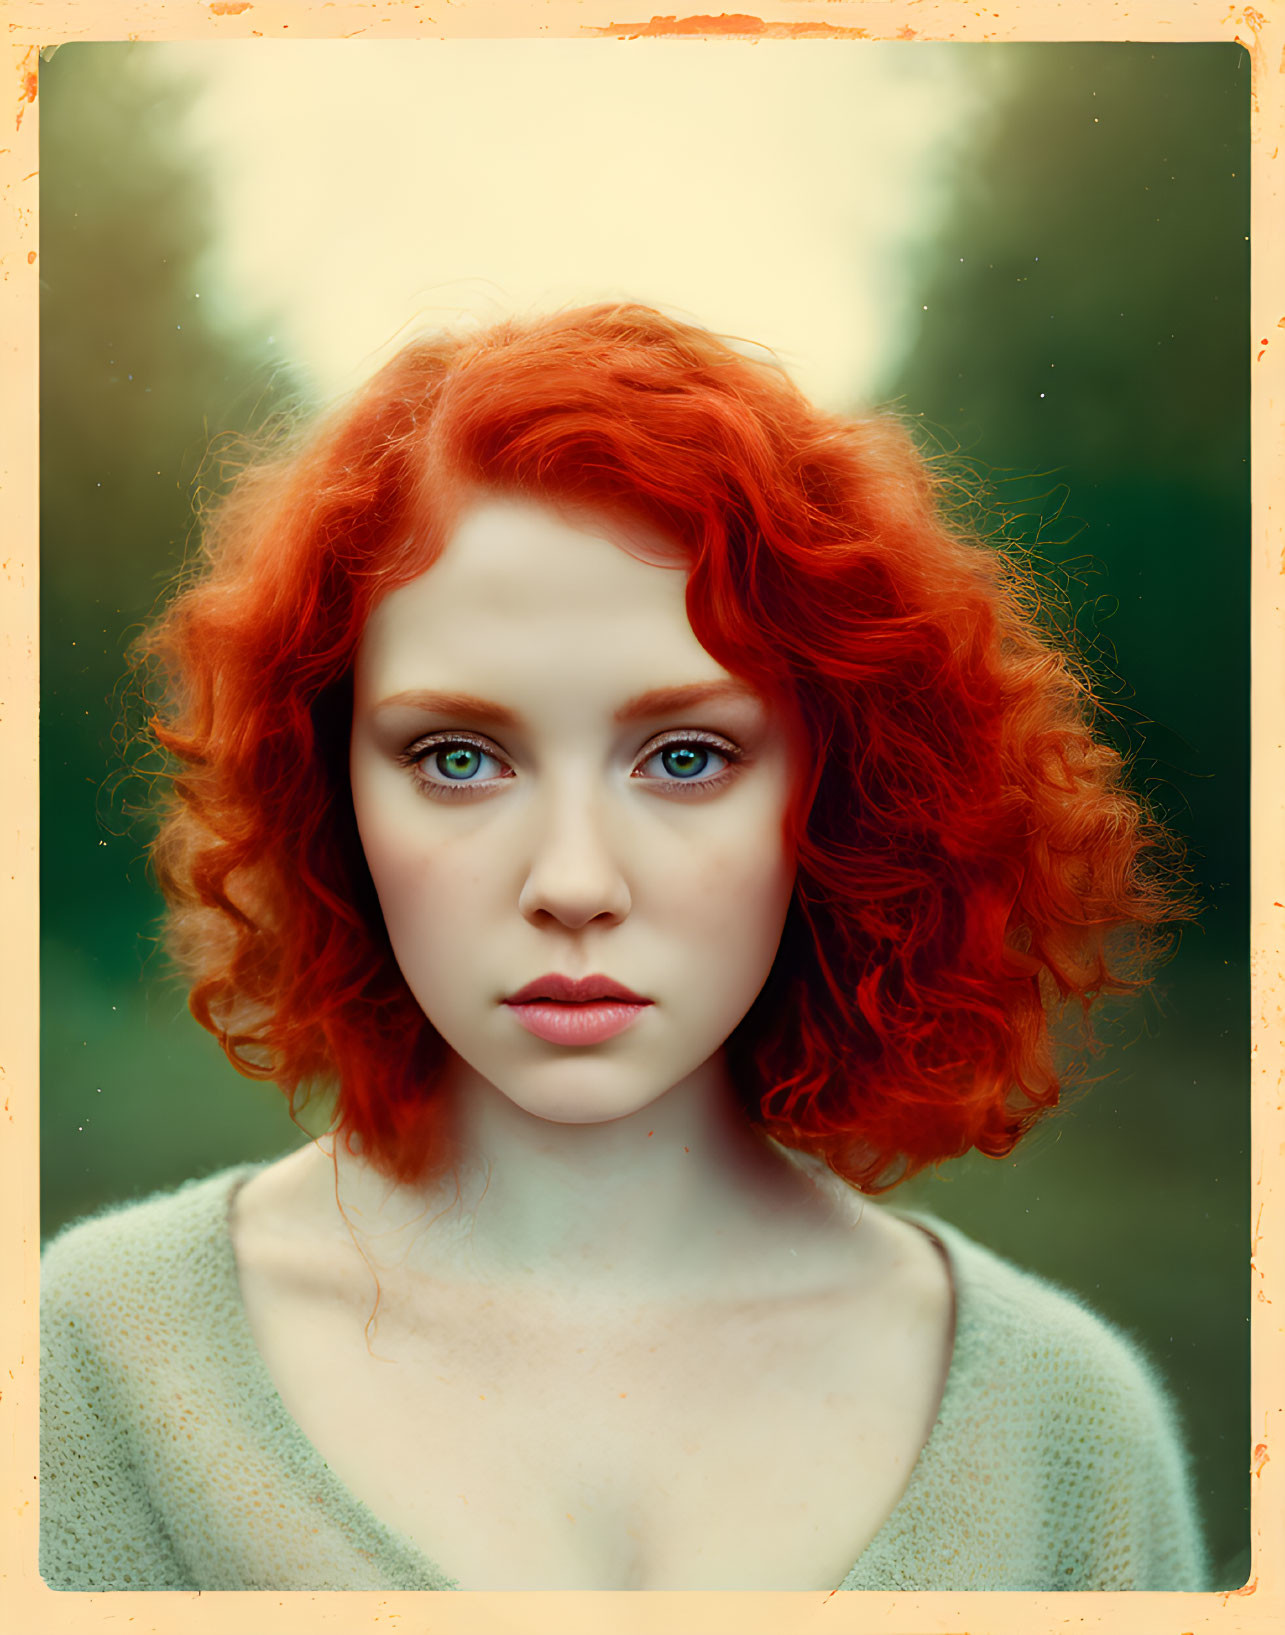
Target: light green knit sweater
<point>170,1462</point>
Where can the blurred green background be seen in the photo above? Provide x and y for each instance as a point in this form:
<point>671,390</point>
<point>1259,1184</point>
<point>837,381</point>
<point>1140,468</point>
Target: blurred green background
<point>1082,349</point>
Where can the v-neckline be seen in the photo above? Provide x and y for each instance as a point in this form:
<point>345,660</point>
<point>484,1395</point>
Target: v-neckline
<point>409,1565</point>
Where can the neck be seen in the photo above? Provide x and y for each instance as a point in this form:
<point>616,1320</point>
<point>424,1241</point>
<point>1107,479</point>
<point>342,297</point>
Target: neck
<point>665,1201</point>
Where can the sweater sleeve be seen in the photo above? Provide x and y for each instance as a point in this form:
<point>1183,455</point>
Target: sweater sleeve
<point>1057,1461</point>
<point>99,1529</point>
<point>1119,1459</point>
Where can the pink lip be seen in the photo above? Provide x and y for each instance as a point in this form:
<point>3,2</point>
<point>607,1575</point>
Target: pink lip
<point>565,1010</point>
<point>570,990</point>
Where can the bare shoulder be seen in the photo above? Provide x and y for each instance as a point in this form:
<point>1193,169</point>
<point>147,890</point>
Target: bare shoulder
<point>285,1220</point>
<point>880,1301</point>
<point>911,1257</point>
<point>268,1201</point>
<point>886,1256</point>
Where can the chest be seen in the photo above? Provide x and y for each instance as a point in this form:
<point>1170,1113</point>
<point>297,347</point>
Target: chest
<point>738,1448</point>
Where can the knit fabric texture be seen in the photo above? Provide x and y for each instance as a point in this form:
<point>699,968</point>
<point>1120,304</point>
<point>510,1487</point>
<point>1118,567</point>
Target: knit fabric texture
<point>169,1461</point>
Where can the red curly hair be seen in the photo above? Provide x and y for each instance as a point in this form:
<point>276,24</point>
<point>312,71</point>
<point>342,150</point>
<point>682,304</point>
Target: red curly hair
<point>966,846</point>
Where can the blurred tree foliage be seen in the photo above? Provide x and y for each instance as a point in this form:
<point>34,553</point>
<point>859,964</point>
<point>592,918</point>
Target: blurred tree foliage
<point>137,378</point>
<point>1084,340</point>
<point>1083,352</point>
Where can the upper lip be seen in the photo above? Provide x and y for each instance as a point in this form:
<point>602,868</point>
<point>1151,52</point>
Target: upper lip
<point>570,990</point>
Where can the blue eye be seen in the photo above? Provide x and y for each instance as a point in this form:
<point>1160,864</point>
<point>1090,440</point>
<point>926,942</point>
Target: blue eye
<point>461,762</point>
<point>448,764</point>
<point>684,760</point>
<point>690,763</point>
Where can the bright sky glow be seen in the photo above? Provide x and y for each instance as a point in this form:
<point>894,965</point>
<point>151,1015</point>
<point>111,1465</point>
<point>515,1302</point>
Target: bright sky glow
<point>771,190</point>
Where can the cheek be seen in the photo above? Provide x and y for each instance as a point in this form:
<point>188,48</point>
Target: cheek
<point>433,896</point>
<point>722,928</point>
<point>731,898</point>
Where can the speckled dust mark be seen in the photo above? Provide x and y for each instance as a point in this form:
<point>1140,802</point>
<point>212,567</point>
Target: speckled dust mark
<point>28,83</point>
<point>1261,1457</point>
<point>229,8</point>
<point>730,25</point>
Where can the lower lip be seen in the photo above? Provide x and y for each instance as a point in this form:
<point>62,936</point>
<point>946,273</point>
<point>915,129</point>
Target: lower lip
<point>585,1024</point>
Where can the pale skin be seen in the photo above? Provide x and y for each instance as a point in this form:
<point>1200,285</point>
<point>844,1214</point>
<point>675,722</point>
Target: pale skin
<point>631,1344</point>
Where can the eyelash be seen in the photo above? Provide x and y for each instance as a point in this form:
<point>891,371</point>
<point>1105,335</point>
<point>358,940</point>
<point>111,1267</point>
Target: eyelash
<point>414,756</point>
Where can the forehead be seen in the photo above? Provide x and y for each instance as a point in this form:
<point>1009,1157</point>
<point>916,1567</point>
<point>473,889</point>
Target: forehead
<point>522,590</point>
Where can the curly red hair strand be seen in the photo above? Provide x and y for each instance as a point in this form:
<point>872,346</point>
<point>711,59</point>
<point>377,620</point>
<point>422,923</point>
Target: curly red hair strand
<point>968,851</point>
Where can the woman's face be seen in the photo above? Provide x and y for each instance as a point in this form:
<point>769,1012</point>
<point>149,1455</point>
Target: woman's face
<point>553,779</point>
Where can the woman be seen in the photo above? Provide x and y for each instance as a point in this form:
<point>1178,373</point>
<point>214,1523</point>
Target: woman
<point>610,774</point>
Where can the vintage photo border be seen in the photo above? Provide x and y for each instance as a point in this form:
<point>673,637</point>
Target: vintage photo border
<point>25,1602</point>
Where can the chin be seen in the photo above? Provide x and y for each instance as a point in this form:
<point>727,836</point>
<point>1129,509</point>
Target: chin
<point>577,1088</point>
<point>598,1106</point>
<point>582,1115</point>
<point>574,1091</point>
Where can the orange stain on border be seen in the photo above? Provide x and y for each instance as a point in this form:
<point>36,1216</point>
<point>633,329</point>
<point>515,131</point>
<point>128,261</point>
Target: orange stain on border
<point>229,8</point>
<point>731,25</point>
<point>1254,21</point>
<point>28,84</point>
<point>1261,1456</point>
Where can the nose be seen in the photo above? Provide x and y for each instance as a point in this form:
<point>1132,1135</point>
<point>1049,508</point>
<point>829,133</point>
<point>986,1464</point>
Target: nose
<point>574,876</point>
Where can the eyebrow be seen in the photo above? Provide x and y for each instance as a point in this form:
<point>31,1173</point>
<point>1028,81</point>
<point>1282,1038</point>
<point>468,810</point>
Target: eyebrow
<point>436,703</point>
<point>657,701</point>
<point>671,700</point>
